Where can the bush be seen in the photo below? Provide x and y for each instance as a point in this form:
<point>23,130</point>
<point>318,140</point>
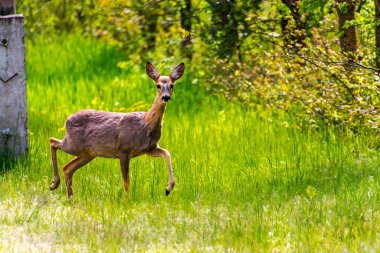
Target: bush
<point>277,55</point>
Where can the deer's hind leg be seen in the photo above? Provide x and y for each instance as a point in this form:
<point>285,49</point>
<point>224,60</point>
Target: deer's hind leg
<point>54,145</point>
<point>71,167</point>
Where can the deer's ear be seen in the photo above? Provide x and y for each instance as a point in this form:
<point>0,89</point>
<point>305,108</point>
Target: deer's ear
<point>177,72</point>
<point>152,71</point>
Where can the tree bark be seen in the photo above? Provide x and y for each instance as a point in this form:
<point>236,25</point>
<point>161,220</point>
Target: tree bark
<point>186,25</point>
<point>149,31</point>
<point>293,36</point>
<point>224,30</point>
<point>348,38</point>
<point>148,18</point>
<point>7,7</point>
<point>13,109</point>
<point>377,27</point>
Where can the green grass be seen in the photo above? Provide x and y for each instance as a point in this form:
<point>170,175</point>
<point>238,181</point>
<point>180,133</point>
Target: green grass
<point>246,179</point>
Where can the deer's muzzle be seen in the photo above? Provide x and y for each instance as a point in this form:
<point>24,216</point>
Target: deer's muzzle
<point>165,98</point>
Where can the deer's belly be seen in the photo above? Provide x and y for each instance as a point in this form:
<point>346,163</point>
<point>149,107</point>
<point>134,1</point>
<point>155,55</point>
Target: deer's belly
<point>106,152</point>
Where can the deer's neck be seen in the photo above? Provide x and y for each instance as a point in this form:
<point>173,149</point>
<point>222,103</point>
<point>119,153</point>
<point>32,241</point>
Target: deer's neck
<point>155,114</point>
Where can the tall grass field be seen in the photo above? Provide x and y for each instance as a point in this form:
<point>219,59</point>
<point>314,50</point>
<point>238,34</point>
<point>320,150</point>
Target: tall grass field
<point>247,180</point>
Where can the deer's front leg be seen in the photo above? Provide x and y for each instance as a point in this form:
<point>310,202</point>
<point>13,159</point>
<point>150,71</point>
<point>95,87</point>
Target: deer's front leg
<point>160,152</point>
<point>124,164</point>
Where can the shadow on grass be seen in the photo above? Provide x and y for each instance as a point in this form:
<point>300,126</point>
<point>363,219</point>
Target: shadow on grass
<point>7,162</point>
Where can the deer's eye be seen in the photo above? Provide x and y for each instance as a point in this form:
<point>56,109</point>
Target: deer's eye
<point>171,86</point>
<point>158,86</point>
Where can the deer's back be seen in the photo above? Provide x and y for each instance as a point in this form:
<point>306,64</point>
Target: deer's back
<point>106,134</point>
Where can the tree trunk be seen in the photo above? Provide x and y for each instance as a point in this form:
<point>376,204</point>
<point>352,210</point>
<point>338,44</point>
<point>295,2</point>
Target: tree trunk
<point>293,36</point>
<point>149,31</point>
<point>148,18</point>
<point>186,25</point>
<point>7,7</point>
<point>377,19</point>
<point>13,109</point>
<point>348,37</point>
<point>224,30</point>
<point>152,32</point>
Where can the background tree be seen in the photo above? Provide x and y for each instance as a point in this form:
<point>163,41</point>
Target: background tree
<point>292,24</point>
<point>224,28</point>
<point>240,43</point>
<point>186,15</point>
<point>377,32</point>
<point>348,37</point>
<point>148,13</point>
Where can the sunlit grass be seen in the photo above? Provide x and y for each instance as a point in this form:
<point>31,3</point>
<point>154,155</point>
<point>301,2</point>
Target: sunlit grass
<point>246,179</point>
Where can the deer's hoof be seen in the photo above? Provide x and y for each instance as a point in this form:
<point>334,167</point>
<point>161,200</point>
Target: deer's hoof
<point>167,192</point>
<point>54,185</point>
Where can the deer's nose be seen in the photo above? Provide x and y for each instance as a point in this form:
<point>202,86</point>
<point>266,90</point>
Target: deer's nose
<point>165,98</point>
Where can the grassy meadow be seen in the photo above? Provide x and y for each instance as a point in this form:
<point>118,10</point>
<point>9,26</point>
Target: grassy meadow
<point>247,180</point>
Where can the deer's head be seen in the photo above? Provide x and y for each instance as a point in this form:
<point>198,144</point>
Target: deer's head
<point>165,84</point>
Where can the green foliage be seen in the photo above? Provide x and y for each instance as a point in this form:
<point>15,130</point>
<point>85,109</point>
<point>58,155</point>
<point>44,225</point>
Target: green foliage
<point>246,180</point>
<point>310,78</point>
<point>315,85</point>
<point>281,54</point>
<point>343,7</point>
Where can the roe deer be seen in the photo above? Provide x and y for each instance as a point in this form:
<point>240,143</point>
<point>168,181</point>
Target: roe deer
<point>91,133</point>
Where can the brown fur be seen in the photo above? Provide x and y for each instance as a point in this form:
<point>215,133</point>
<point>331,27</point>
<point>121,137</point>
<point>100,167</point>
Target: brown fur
<point>91,133</point>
